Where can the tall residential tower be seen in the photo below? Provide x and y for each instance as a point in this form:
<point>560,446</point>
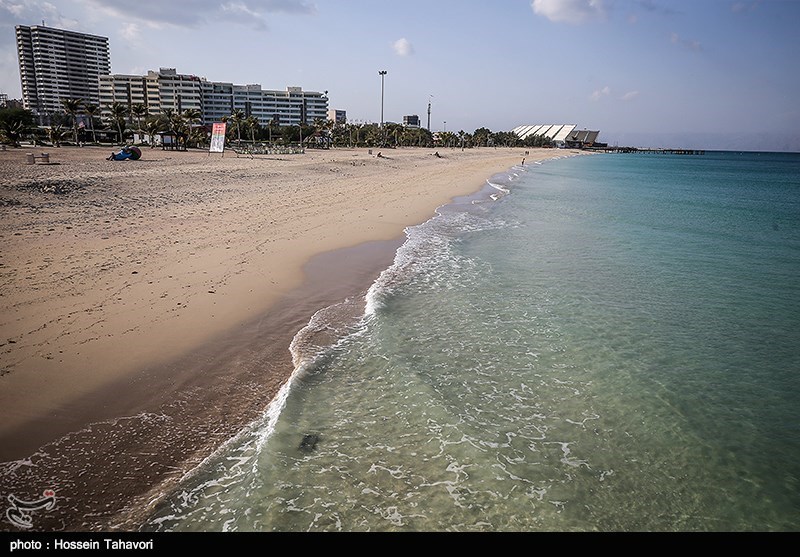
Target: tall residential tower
<point>56,64</point>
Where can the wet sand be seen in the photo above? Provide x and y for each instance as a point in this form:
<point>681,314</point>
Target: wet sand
<point>147,307</point>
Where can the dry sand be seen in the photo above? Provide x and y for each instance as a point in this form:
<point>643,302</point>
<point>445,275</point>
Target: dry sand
<point>176,281</point>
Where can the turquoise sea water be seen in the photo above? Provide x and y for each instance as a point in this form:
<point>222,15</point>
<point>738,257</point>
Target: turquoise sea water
<point>608,343</point>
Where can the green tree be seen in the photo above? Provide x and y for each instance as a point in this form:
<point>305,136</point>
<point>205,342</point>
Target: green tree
<point>138,111</point>
<point>119,112</point>
<point>154,125</point>
<point>73,107</point>
<point>271,126</point>
<point>237,118</point>
<point>92,110</point>
<point>55,133</point>
<point>177,125</point>
<point>251,122</point>
<point>192,116</point>
<point>14,122</point>
<point>195,134</point>
<point>480,137</point>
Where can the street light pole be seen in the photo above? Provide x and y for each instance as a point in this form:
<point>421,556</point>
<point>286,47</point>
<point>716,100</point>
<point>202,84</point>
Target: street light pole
<point>382,73</point>
<point>429,112</point>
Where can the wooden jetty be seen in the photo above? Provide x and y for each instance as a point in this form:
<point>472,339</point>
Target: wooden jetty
<point>659,151</point>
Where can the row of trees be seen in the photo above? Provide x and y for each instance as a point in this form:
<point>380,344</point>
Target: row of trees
<point>122,120</point>
<point>396,135</point>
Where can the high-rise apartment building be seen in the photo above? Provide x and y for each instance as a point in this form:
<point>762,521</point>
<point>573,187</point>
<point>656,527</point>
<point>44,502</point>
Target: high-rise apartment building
<point>56,64</point>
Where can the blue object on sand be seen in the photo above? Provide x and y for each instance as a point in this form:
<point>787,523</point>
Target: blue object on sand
<point>132,153</point>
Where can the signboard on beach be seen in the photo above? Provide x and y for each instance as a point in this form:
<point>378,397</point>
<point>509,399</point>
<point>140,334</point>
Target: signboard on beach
<point>218,138</point>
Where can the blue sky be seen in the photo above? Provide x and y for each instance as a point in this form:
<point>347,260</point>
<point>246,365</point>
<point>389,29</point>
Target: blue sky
<point>698,73</point>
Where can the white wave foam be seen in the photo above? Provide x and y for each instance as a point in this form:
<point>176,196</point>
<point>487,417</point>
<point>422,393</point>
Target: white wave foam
<point>499,187</point>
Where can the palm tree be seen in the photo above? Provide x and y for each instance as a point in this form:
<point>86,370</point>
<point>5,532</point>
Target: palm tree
<point>152,126</point>
<point>272,122</point>
<point>139,110</point>
<point>237,118</point>
<point>14,122</point>
<point>252,124</point>
<point>324,128</point>
<point>175,123</point>
<point>55,133</point>
<point>92,110</point>
<point>12,130</point>
<point>119,111</point>
<point>73,107</point>
<point>193,115</point>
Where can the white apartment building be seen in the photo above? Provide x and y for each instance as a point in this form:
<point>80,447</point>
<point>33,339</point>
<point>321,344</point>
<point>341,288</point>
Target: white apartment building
<point>56,64</point>
<point>164,89</point>
<point>167,89</point>
<point>283,108</point>
<point>338,117</point>
<point>128,90</point>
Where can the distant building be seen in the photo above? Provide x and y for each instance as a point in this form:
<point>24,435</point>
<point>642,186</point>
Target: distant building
<point>337,116</point>
<point>5,102</point>
<point>562,135</point>
<point>557,133</point>
<point>583,139</point>
<point>167,89</point>
<point>56,64</point>
<point>411,121</point>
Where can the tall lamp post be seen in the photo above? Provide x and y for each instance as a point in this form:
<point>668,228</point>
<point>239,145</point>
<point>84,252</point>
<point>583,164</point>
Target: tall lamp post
<point>382,73</point>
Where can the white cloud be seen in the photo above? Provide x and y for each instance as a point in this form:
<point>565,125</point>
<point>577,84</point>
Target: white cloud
<point>739,7</point>
<point>629,96</point>
<point>158,13</point>
<point>33,12</point>
<point>569,11</point>
<point>130,32</point>
<point>686,43</point>
<point>600,93</point>
<point>402,47</point>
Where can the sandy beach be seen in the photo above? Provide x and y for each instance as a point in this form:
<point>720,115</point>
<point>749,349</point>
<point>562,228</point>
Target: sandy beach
<point>147,306</point>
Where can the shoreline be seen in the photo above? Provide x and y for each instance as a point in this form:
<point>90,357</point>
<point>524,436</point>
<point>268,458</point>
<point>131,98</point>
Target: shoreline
<point>187,390</point>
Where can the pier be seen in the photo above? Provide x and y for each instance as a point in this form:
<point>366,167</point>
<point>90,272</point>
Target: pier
<point>653,151</point>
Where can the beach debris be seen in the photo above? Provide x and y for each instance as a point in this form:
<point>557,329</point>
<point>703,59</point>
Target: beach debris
<point>309,442</point>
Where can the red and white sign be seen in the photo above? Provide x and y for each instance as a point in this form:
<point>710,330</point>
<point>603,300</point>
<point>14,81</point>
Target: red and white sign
<point>218,138</point>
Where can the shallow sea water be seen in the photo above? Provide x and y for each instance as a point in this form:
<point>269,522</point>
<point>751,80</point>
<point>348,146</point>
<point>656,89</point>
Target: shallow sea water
<point>608,343</point>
